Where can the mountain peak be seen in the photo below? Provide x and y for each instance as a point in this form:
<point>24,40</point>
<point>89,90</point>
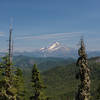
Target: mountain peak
<point>55,50</point>
<point>54,46</point>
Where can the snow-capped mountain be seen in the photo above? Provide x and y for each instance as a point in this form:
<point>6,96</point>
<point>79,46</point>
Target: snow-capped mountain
<point>54,47</point>
<point>51,48</point>
<point>55,50</point>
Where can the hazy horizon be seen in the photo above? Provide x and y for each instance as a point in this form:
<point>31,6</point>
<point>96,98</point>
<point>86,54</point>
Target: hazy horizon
<point>38,24</point>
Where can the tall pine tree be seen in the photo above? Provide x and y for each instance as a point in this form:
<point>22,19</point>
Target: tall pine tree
<point>84,74</point>
<point>7,91</point>
<point>37,85</point>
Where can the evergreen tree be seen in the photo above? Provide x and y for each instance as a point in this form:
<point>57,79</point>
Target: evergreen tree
<point>37,85</point>
<point>7,91</point>
<point>19,84</point>
<point>84,74</point>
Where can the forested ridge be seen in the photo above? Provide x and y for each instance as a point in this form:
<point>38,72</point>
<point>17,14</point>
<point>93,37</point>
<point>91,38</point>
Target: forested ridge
<point>60,81</point>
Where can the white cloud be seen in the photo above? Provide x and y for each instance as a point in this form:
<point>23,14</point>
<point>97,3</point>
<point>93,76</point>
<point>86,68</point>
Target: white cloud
<point>50,36</point>
<point>1,33</point>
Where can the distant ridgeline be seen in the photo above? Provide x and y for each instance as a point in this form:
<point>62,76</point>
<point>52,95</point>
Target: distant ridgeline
<point>42,63</point>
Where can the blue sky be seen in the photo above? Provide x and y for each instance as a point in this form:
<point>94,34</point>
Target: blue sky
<point>39,23</point>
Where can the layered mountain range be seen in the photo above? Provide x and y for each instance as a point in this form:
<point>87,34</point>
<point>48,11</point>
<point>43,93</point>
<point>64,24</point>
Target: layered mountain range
<point>55,50</point>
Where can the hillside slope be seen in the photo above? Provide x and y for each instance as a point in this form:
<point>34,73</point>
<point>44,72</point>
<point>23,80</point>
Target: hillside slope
<point>61,82</point>
<point>43,64</point>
